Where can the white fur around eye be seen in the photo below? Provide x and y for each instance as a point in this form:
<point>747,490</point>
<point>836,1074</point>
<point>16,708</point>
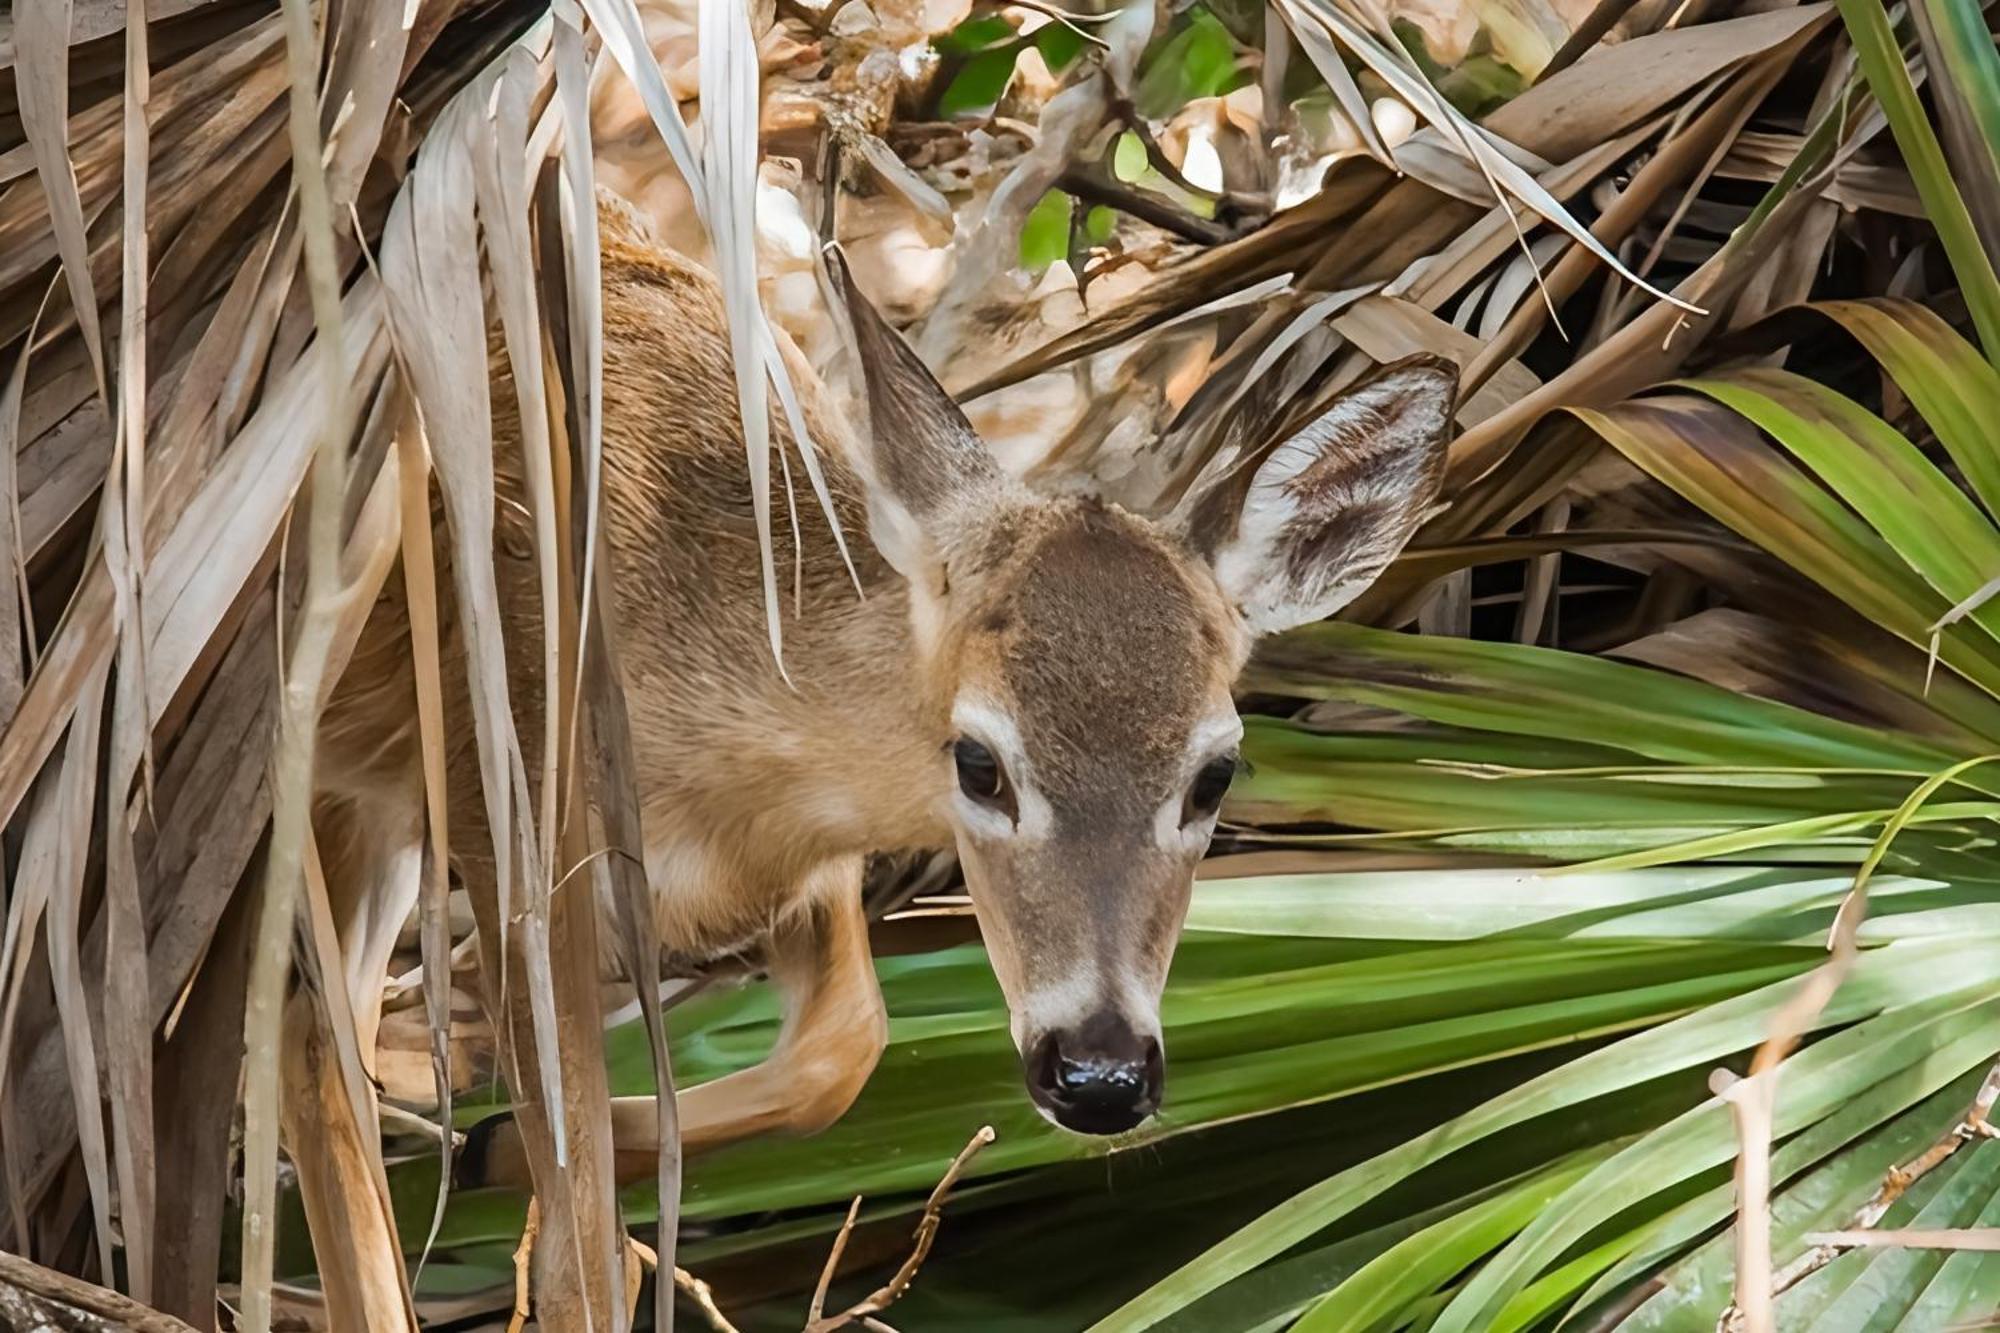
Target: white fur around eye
<point>1209,740</point>
<point>1212,737</point>
<point>981,719</point>
<point>1170,835</point>
<point>981,821</point>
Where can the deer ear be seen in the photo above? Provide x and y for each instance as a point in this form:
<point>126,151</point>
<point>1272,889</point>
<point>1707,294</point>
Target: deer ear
<point>1323,514</point>
<point>925,468</point>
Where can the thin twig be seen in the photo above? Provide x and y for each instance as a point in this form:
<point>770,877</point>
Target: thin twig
<point>1074,22</point>
<point>818,1306</point>
<point>1979,597</point>
<point>524,1255</point>
<point>1057,12</point>
<point>1123,108</point>
<point>927,1228</point>
<point>703,1297</point>
<point>688,1285</point>
<point>1093,188</point>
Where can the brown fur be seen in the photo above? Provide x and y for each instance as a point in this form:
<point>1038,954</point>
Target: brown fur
<point>1103,642</point>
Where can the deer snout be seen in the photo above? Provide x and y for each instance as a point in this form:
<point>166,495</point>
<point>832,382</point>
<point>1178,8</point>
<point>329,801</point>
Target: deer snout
<point>1102,1077</point>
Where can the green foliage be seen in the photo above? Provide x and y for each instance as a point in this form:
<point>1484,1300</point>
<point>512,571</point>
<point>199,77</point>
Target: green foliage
<point>1128,159</point>
<point>980,83</point>
<point>976,34</point>
<point>1045,237</point>
<point>1881,58</point>
<point>986,48</point>
<point>1197,59</point>
<point>1059,43</point>
<point>1476,85</point>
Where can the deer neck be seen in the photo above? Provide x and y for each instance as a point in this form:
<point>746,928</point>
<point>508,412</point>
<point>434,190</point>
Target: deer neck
<point>841,754</point>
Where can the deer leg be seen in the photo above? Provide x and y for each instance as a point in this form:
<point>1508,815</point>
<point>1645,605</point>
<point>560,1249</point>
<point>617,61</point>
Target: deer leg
<point>834,1031</point>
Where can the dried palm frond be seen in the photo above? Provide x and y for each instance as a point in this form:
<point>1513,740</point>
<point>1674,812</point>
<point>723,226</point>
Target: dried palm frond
<point>259,433</point>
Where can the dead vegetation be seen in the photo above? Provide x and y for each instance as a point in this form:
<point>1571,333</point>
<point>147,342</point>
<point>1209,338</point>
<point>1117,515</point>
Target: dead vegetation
<point>1121,235</point>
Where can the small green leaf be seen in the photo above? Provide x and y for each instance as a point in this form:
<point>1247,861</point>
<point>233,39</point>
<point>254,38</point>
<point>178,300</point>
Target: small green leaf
<point>1045,235</point>
<point>1880,55</point>
<point>1129,162</point>
<point>1059,44</point>
<point>1197,61</point>
<point>975,35</point>
<point>981,83</point>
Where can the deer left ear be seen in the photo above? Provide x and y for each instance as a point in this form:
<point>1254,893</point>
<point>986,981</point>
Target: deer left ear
<point>924,466</point>
<point>1327,510</point>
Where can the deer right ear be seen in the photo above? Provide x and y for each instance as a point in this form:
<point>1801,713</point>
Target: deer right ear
<point>1301,534</point>
<point>926,469</point>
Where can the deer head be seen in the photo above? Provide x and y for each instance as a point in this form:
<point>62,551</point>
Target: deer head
<point>1078,662</point>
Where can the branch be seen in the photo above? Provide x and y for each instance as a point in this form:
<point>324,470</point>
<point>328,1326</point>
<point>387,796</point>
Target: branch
<point>1589,33</point>
<point>1828,1246</point>
<point>686,1283</point>
<point>818,1306</point>
<point>1093,188</point>
<point>883,1297</point>
<point>35,1297</point>
<point>704,1298</point>
<point>1126,112</point>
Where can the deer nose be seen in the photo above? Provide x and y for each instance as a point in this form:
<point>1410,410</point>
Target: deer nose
<point>1101,1078</point>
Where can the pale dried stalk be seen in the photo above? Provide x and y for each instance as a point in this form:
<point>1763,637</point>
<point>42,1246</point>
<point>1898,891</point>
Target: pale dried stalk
<point>128,1030</point>
<point>132,350</point>
<point>1753,1100</point>
<point>55,850</point>
<point>1916,1238</point>
<point>434,905</point>
<point>1752,1103</point>
<point>1829,1246</point>
<point>42,88</point>
<point>292,762</point>
<point>729,77</point>
<point>927,1228</point>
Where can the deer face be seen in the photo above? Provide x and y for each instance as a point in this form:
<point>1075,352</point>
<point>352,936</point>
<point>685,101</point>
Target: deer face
<point>1080,661</point>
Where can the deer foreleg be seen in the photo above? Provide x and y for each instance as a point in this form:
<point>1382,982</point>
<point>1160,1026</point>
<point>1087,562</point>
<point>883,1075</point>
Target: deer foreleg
<point>834,1031</point>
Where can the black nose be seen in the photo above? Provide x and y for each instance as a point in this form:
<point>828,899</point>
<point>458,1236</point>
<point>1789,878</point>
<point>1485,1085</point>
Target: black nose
<point>1100,1078</point>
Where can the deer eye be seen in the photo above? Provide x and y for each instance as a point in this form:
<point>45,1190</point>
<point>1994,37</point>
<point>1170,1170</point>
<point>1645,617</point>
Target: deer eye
<point>980,776</point>
<point>1204,798</point>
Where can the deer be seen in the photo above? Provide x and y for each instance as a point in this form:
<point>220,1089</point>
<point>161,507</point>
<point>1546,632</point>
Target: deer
<point>1041,682</point>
